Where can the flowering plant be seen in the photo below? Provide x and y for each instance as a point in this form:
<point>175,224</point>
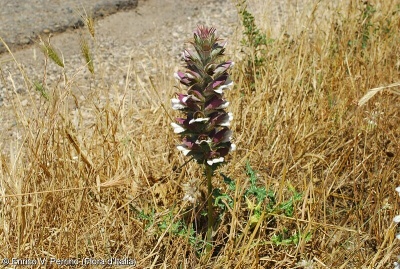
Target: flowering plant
<point>204,129</point>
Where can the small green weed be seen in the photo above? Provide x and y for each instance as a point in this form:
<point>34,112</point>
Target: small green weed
<point>254,44</point>
<point>172,226</point>
<point>253,38</point>
<point>284,238</point>
<point>366,23</point>
<point>258,200</point>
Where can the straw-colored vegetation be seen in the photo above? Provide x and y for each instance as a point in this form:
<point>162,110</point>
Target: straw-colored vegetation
<point>311,184</point>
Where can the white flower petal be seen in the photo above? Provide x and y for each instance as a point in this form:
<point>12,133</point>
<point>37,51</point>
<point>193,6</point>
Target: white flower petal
<point>184,150</point>
<point>228,86</point>
<point>232,148</point>
<point>396,219</point>
<point>198,120</point>
<point>177,76</point>
<point>216,160</point>
<point>398,236</point>
<point>223,105</point>
<point>176,104</point>
<point>177,128</point>
<point>398,190</point>
<point>227,122</point>
<point>208,141</point>
<point>219,90</point>
<point>190,75</point>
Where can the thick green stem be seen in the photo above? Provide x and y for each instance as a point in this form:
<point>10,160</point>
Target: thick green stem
<point>210,213</point>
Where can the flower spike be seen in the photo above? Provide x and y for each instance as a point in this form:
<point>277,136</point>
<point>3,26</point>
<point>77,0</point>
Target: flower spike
<point>204,129</point>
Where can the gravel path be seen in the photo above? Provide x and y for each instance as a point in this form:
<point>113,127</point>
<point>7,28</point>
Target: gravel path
<point>22,20</point>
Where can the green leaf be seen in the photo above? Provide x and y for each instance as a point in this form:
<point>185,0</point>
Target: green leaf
<point>231,184</point>
<point>219,197</point>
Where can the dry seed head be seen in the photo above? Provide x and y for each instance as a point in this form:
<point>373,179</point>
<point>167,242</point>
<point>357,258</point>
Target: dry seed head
<point>90,25</point>
<point>87,55</point>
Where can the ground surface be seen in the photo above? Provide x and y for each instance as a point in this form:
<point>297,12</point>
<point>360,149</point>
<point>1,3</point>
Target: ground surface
<point>128,40</point>
<point>23,21</point>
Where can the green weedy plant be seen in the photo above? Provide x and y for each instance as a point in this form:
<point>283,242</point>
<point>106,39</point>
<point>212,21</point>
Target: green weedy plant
<point>260,200</point>
<point>254,43</point>
<point>174,227</point>
<point>285,238</point>
<point>253,38</point>
<point>204,129</point>
<point>366,23</point>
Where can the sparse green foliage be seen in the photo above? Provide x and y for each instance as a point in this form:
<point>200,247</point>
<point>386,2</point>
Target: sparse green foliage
<point>254,44</point>
<point>257,198</point>
<point>259,192</point>
<point>288,207</point>
<point>221,199</point>
<point>148,219</point>
<point>285,238</point>
<point>366,23</point>
<point>173,226</point>
<point>253,38</point>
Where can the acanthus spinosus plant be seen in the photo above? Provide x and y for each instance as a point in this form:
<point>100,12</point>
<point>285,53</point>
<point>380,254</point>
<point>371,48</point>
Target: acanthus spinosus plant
<point>204,128</point>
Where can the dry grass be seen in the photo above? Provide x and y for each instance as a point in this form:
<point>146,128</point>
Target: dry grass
<point>74,184</point>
